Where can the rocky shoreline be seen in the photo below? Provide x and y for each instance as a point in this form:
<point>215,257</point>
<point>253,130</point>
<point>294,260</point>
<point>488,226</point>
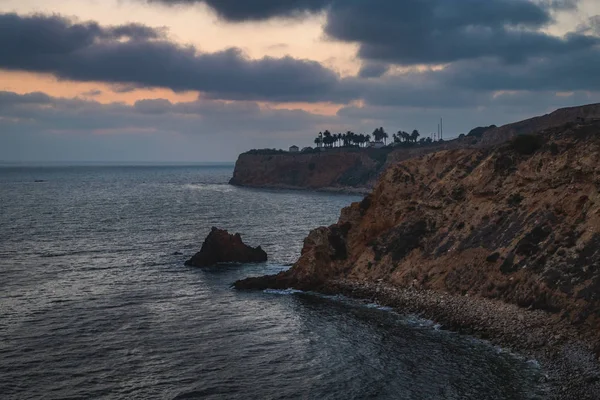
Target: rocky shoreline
<point>571,369</point>
<point>500,242</point>
<point>569,364</point>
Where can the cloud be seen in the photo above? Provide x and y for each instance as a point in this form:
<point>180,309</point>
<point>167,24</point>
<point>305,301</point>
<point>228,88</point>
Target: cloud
<point>248,10</point>
<point>576,71</point>
<point>591,26</point>
<point>438,31</point>
<point>202,116</point>
<point>36,126</point>
<point>560,4</point>
<point>124,88</point>
<point>142,56</point>
<point>40,127</point>
<point>10,99</point>
<point>92,93</point>
<point>372,70</point>
<point>410,32</point>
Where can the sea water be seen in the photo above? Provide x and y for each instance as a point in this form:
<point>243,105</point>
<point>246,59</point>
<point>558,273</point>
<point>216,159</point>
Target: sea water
<point>96,303</point>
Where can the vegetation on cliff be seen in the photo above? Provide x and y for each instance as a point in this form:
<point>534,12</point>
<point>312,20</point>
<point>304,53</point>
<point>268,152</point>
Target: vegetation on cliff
<point>350,139</point>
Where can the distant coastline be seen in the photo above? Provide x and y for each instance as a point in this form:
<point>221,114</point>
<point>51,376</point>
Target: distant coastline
<point>38,164</point>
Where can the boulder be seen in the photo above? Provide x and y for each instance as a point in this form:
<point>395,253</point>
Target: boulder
<point>222,247</point>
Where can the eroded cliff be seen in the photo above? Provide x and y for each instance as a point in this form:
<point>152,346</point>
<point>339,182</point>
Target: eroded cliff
<point>333,169</point>
<point>518,222</point>
<point>358,169</point>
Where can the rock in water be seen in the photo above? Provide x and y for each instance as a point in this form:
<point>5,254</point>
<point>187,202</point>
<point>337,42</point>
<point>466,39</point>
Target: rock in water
<point>221,247</point>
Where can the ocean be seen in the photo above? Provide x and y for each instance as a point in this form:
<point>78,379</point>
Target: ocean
<point>96,303</point>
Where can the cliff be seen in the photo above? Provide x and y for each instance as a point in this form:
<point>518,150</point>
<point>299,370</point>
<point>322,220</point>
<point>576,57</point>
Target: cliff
<point>336,169</point>
<point>581,114</point>
<point>518,222</point>
<point>358,169</point>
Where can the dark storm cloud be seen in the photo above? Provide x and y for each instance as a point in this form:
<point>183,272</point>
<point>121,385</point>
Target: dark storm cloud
<point>246,10</point>
<point>576,71</point>
<point>424,31</point>
<point>28,37</point>
<point>255,10</point>
<point>467,84</point>
<point>141,56</point>
<point>439,31</point>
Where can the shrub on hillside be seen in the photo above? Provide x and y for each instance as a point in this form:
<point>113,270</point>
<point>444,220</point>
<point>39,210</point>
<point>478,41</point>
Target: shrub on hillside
<point>527,144</point>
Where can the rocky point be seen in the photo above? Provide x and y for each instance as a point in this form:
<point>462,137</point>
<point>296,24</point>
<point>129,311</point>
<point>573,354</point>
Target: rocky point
<point>515,224</point>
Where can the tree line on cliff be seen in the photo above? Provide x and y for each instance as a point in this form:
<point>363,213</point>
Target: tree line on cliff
<point>351,139</point>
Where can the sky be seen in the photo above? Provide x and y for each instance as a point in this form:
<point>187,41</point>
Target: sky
<point>204,80</point>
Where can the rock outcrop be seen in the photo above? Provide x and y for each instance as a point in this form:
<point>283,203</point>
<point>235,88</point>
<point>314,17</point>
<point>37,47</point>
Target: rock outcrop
<point>518,222</point>
<point>222,247</point>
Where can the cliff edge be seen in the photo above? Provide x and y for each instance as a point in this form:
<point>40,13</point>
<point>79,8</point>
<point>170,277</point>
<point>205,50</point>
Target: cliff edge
<point>516,226</point>
<point>519,222</point>
<point>334,169</point>
<point>353,169</point>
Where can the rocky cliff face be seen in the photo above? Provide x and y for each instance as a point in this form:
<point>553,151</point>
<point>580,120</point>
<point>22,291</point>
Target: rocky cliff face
<point>358,169</point>
<point>518,222</point>
<point>332,169</point>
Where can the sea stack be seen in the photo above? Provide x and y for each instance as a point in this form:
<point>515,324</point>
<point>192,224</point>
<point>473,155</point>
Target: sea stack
<point>222,247</point>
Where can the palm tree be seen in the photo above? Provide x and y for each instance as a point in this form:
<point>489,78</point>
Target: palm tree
<point>347,137</point>
<point>327,138</point>
<point>377,135</point>
<point>415,135</point>
<point>383,134</point>
<point>350,138</point>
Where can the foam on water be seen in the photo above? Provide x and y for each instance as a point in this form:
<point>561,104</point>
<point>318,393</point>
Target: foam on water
<point>221,188</point>
<point>285,292</point>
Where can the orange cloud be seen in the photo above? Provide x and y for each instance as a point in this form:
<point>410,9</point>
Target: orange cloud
<point>26,82</point>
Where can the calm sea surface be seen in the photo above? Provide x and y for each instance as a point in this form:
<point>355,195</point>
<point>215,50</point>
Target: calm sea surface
<point>95,302</point>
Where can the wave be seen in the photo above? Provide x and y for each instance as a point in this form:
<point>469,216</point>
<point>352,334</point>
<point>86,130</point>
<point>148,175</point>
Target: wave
<point>282,291</point>
<point>212,187</point>
<point>379,307</point>
<point>82,252</point>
